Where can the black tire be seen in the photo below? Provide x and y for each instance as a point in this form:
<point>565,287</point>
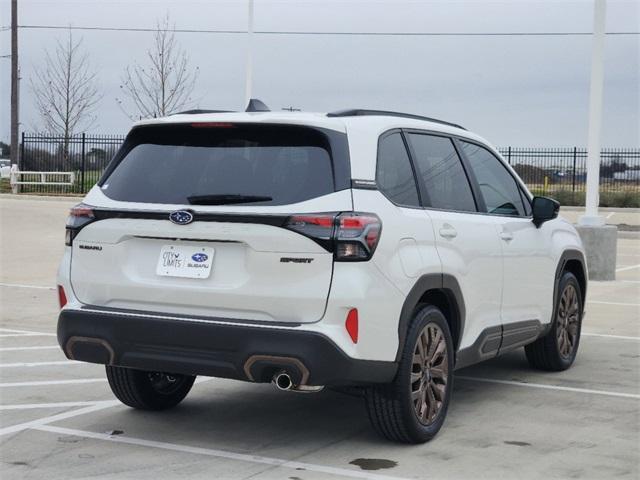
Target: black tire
<point>552,352</point>
<point>148,390</point>
<point>391,408</point>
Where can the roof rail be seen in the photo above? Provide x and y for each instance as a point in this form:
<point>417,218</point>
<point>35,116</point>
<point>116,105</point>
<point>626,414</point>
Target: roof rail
<point>197,111</point>
<point>359,112</point>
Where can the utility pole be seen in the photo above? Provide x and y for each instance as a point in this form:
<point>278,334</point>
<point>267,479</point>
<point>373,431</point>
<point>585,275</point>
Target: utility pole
<point>14,82</point>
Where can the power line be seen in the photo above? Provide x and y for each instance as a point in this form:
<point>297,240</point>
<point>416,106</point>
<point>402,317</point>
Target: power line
<point>295,32</point>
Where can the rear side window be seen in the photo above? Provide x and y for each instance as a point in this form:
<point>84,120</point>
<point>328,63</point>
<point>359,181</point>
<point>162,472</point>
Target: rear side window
<point>394,174</point>
<point>499,189</point>
<point>440,168</point>
<point>216,164</point>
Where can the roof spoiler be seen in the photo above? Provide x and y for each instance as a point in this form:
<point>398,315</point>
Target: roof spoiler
<point>255,105</point>
<point>198,111</point>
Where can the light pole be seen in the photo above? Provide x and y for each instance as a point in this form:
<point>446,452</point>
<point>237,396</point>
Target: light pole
<point>591,216</point>
<point>600,241</point>
<point>249,67</point>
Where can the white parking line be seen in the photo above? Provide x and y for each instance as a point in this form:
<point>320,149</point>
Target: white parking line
<point>11,331</point>
<point>18,349</point>
<point>617,337</point>
<point>17,285</point>
<point>276,462</point>
<point>52,382</point>
<point>41,364</point>
<point>611,214</point>
<point>55,418</point>
<point>5,335</point>
<point>77,381</point>
<point>620,304</point>
<point>550,387</point>
<point>610,283</point>
<point>30,406</point>
<point>630,267</point>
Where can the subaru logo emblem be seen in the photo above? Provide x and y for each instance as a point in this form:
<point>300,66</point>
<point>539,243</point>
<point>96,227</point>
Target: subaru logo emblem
<point>181,217</point>
<point>199,257</point>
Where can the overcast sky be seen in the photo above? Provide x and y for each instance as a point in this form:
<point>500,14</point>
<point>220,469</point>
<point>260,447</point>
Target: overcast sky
<point>514,90</point>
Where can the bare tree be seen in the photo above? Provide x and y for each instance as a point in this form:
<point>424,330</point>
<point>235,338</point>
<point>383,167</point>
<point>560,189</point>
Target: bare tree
<point>65,90</point>
<point>165,85</point>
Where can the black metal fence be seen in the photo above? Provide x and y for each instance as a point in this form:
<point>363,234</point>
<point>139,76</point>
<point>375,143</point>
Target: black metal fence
<point>560,172</point>
<point>85,155</point>
<point>566,167</point>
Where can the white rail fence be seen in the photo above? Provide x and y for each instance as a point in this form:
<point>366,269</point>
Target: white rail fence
<point>18,178</point>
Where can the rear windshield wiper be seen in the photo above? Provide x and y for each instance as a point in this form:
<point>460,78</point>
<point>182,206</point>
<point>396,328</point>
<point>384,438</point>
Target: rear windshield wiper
<point>226,199</point>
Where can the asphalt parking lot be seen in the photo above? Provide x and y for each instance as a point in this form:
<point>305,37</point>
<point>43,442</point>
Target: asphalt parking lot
<point>59,419</point>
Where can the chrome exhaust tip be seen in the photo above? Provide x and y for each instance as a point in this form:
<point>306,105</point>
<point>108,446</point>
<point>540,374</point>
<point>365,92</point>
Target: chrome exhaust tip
<point>282,381</point>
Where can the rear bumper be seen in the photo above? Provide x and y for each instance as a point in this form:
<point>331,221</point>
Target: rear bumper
<point>198,347</point>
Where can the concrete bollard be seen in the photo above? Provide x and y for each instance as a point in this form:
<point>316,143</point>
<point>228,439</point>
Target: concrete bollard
<point>600,244</point>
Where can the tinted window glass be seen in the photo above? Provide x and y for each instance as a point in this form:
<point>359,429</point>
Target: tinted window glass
<point>441,170</point>
<point>499,189</point>
<point>526,202</point>
<point>394,175</point>
<point>177,163</point>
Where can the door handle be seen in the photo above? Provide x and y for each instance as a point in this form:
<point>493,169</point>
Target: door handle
<point>447,231</point>
<point>506,236</point>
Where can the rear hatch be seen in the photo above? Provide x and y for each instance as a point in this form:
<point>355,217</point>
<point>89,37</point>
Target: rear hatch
<point>196,219</point>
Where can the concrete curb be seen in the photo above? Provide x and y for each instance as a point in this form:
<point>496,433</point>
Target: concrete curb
<point>603,209</point>
<point>629,235</point>
<point>40,198</point>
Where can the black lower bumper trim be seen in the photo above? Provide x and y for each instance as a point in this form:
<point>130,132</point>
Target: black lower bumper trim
<point>212,349</point>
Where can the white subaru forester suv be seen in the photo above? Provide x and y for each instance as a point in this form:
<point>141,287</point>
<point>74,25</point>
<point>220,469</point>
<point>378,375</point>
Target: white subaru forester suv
<point>358,248</point>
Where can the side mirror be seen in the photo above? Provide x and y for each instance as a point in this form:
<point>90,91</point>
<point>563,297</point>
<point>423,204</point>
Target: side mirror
<point>544,208</point>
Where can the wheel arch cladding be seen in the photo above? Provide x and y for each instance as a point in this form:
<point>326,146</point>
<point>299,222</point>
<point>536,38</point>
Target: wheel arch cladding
<point>442,291</point>
<point>571,261</point>
<point>576,267</point>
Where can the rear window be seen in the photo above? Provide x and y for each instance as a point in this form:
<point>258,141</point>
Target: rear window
<point>225,164</point>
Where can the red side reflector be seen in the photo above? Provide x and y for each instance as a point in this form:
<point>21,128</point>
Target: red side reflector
<point>351,324</point>
<point>62,298</point>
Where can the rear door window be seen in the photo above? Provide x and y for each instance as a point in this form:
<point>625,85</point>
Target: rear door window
<point>219,163</point>
<point>445,181</point>
<point>394,174</point>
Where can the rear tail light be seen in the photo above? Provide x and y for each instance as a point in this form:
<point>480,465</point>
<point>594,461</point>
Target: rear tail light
<point>357,236</point>
<point>79,216</point>
<point>62,297</point>
<point>352,236</point>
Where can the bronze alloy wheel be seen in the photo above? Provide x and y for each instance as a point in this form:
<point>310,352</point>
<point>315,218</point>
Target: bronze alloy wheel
<point>567,321</point>
<point>429,373</point>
